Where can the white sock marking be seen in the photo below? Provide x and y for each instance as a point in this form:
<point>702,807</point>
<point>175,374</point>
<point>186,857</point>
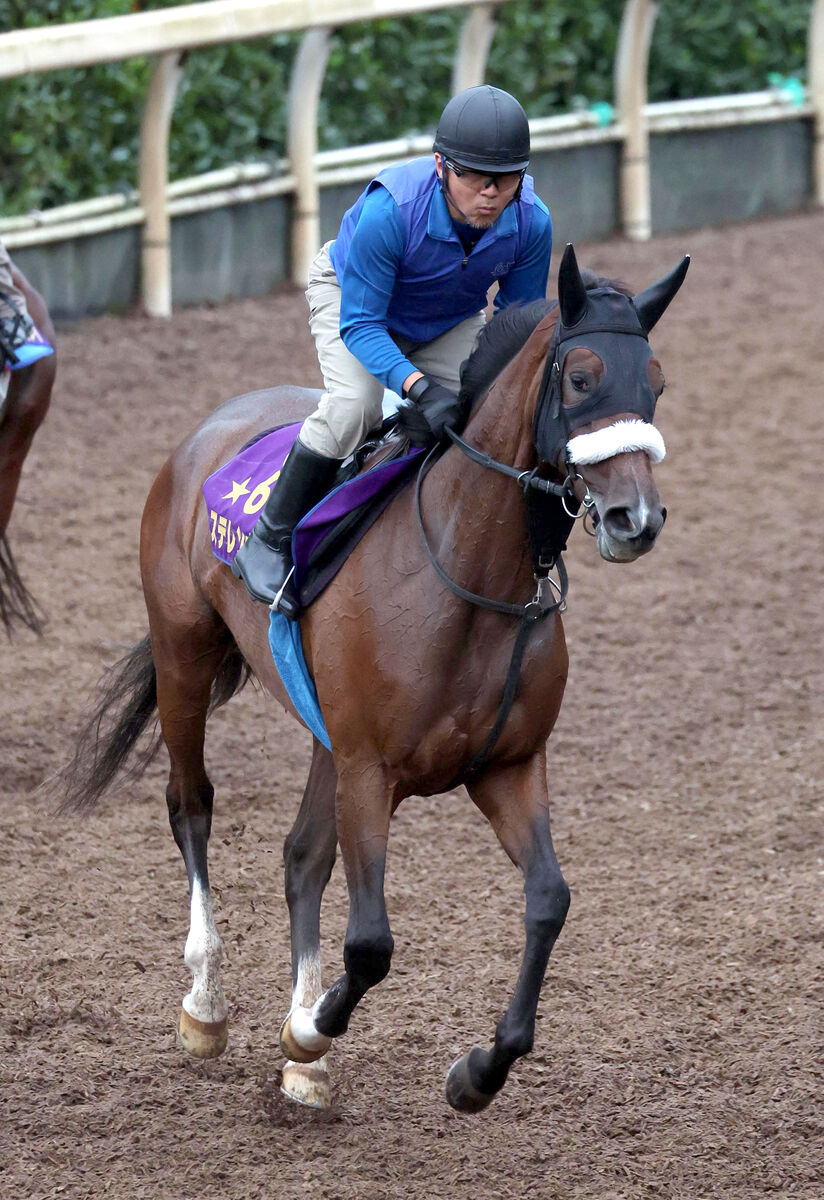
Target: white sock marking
<point>203,956</point>
<point>306,995</point>
<point>308,985</point>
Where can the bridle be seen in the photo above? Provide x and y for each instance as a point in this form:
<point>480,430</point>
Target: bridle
<point>573,508</point>
<point>550,595</point>
<point>541,603</point>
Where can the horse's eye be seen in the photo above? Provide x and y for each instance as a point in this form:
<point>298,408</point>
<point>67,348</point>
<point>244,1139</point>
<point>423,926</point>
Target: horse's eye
<point>580,383</point>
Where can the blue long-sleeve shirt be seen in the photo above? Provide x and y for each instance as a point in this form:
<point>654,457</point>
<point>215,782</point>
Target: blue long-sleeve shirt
<point>402,268</point>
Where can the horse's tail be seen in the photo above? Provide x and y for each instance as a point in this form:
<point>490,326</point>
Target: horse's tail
<point>122,714</point>
<point>17,605</point>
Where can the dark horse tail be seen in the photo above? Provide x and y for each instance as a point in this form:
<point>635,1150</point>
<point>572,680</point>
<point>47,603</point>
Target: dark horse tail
<point>124,711</point>
<point>17,605</point>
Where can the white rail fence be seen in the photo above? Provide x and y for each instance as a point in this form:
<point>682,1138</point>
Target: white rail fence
<point>169,33</point>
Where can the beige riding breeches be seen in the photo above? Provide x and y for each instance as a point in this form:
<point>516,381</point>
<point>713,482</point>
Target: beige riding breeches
<point>352,400</point>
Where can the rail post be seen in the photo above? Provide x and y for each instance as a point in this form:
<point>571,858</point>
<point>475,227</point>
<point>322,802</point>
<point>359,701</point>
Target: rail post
<point>301,146</point>
<point>815,76</point>
<point>153,178</point>
<point>631,64</point>
<point>477,32</point>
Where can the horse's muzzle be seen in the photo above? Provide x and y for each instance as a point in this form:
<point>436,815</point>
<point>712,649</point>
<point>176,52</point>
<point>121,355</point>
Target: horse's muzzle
<point>625,533</point>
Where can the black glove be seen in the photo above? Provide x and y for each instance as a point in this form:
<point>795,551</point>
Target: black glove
<point>433,409</point>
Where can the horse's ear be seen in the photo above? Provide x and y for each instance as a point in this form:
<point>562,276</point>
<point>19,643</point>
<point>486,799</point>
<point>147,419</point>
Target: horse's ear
<point>651,303</point>
<point>572,295</point>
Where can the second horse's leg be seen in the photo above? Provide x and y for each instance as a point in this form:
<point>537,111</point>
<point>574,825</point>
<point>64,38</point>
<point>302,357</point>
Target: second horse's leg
<point>25,408</point>
<point>516,803</point>
<point>309,856</point>
<point>362,811</point>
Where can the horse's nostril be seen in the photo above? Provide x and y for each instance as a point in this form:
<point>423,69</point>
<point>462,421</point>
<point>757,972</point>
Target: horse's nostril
<point>619,523</point>
<point>628,525</point>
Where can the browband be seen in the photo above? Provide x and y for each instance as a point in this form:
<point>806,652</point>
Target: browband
<point>567,332</point>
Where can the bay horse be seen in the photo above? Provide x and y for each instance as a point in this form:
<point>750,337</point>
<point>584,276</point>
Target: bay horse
<point>411,649</point>
<point>21,415</point>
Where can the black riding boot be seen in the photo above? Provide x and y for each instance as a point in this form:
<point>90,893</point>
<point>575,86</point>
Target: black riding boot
<point>264,561</point>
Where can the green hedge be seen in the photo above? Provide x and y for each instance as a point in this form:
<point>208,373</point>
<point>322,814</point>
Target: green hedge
<point>73,134</point>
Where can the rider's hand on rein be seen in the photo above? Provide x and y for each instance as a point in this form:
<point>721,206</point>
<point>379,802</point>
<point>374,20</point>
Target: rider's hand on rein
<point>433,409</point>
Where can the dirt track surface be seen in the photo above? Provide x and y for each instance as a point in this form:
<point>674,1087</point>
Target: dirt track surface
<point>679,1047</point>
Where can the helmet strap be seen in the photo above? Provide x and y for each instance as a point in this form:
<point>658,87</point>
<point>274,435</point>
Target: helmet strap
<point>447,195</point>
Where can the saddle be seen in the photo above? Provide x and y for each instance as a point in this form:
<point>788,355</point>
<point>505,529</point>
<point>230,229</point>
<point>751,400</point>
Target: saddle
<point>323,539</point>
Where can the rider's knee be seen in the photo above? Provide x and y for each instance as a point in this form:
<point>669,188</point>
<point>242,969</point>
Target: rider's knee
<point>342,420</point>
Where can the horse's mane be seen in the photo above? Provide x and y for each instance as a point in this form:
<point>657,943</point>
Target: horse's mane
<point>507,333</point>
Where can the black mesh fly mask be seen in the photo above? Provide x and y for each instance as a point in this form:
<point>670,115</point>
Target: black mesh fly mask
<point>614,326</point>
<point>610,327</point>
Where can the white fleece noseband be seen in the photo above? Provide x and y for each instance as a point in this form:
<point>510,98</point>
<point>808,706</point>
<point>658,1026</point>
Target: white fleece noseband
<point>621,438</point>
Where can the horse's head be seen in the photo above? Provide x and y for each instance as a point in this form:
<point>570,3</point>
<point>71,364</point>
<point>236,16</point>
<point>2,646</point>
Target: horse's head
<point>597,401</point>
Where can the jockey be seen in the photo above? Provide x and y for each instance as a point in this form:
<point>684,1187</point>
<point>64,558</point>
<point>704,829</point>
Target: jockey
<point>396,301</point>
<point>21,342</point>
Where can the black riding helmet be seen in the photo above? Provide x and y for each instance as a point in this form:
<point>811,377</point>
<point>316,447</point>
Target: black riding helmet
<point>484,129</point>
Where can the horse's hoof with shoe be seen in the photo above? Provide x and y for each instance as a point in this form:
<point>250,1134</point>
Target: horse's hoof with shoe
<point>202,1039</point>
<point>461,1092</point>
<point>307,1083</point>
<point>299,1040</point>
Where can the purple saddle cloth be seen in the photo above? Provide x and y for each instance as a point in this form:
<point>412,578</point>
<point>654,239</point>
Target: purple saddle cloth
<point>236,493</point>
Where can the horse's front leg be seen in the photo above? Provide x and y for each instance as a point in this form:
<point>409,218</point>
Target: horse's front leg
<point>516,803</point>
<point>363,807</point>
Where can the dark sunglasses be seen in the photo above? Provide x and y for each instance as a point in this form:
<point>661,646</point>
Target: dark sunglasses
<point>478,180</point>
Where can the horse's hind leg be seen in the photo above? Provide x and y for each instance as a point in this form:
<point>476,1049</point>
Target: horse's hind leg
<point>190,645</point>
<point>309,856</point>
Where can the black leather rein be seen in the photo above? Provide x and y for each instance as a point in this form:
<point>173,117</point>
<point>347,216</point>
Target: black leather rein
<point>528,614</point>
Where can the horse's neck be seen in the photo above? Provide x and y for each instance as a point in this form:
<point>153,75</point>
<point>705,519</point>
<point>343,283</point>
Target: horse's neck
<point>501,424</point>
<point>482,513</point>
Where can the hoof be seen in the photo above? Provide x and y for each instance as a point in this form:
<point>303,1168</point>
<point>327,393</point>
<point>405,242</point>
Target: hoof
<point>292,1049</point>
<point>461,1092</point>
<point>202,1039</point>
<point>307,1085</point>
